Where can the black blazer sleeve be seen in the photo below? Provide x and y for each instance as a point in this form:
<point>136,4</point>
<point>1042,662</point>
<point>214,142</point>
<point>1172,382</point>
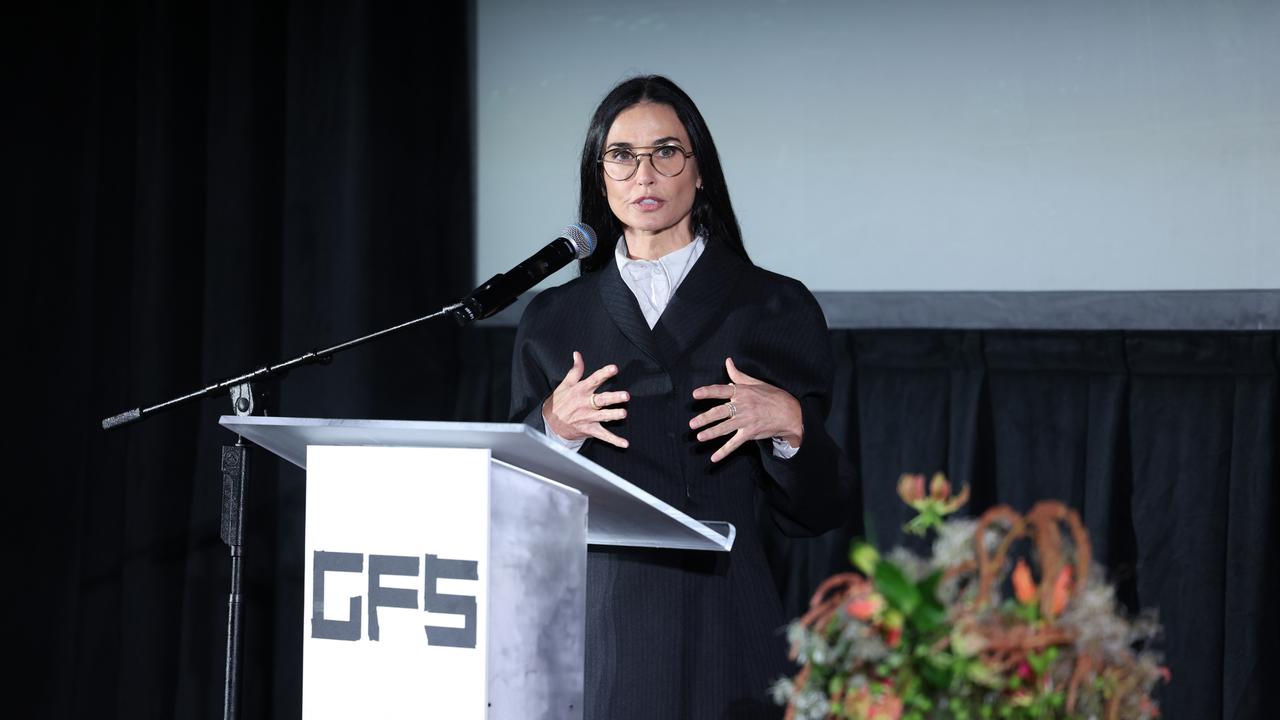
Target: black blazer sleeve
<point>816,489</point>
<point>529,382</point>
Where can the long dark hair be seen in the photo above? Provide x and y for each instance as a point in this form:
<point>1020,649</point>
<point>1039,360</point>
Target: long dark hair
<point>712,212</point>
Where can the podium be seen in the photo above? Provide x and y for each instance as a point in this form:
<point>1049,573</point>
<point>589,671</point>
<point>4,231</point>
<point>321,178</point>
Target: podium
<point>446,563</point>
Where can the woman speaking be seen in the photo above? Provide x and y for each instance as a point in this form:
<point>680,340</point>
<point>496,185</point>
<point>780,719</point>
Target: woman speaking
<point>676,363</point>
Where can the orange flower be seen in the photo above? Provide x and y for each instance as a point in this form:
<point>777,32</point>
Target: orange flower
<point>1024,588</point>
<point>1061,591</point>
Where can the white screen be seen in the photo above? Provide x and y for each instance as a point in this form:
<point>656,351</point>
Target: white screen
<point>975,145</point>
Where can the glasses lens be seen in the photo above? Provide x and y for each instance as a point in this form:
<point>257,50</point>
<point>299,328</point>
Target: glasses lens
<point>668,160</point>
<point>619,164</point>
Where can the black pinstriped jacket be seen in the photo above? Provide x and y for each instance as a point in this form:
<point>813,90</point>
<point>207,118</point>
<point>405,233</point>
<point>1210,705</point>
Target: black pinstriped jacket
<point>680,634</point>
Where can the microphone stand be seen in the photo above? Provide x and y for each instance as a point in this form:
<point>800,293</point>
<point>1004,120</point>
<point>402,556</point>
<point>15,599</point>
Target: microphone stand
<point>234,459</point>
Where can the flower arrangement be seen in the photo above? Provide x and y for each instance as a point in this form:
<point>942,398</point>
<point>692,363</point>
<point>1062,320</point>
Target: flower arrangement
<point>912,638</point>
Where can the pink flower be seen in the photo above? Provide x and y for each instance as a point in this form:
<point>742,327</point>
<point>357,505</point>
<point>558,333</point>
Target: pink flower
<point>1025,672</point>
<point>911,488</point>
<point>939,488</point>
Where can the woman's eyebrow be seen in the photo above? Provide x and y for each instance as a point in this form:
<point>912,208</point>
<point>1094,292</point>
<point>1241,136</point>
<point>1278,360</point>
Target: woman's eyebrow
<point>656,143</point>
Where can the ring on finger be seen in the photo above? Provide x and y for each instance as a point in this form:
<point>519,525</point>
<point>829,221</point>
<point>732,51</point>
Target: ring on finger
<point>733,409</point>
<point>593,401</point>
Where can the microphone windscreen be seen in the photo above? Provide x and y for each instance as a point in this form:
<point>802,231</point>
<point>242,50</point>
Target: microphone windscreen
<point>582,237</point>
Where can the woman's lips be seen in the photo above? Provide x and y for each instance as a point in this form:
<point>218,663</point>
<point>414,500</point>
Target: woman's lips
<point>648,204</point>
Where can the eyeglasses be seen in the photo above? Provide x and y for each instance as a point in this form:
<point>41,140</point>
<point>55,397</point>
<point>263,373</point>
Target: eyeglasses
<point>622,163</point>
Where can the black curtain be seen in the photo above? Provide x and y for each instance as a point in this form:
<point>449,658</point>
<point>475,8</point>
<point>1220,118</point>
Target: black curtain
<point>201,188</point>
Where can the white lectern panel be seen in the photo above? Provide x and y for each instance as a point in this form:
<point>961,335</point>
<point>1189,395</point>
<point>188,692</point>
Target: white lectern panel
<point>388,552</point>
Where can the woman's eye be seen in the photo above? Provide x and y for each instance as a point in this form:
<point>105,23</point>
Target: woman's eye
<point>667,151</point>
<point>619,156</point>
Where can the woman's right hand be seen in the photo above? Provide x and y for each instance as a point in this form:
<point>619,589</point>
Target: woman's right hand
<point>570,412</point>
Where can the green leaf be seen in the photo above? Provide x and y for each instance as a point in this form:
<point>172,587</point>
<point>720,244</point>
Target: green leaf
<point>938,677</point>
<point>865,557</point>
<point>900,592</point>
<point>929,586</point>
<point>929,616</point>
<point>1040,661</point>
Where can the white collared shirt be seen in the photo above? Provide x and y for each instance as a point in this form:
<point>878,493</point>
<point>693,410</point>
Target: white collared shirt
<point>654,282</point>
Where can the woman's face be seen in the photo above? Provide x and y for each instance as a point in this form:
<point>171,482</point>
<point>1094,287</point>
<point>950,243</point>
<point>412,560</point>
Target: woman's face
<point>650,203</point>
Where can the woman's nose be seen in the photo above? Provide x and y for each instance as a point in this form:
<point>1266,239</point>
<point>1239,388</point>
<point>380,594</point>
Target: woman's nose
<point>646,174</point>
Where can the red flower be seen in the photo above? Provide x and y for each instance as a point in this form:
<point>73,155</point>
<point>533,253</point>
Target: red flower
<point>864,608</point>
<point>893,637</point>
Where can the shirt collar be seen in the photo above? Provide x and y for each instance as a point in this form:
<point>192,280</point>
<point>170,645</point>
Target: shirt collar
<point>673,262</point>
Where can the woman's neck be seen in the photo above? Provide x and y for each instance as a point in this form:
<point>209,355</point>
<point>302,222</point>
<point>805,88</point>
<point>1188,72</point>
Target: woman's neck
<point>651,246</point>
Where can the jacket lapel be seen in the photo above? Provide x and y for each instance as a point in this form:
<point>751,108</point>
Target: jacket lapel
<point>625,313</point>
<point>699,302</point>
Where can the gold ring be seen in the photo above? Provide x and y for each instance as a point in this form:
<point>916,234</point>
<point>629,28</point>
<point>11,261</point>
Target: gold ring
<point>733,409</point>
<point>593,401</point>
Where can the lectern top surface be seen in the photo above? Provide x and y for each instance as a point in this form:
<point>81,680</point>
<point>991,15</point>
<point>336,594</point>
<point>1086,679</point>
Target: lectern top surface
<point>619,513</point>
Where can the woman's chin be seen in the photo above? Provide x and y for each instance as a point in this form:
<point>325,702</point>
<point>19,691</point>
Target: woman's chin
<point>650,225</point>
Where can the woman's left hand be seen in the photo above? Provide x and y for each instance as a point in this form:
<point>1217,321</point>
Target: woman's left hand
<point>753,410</point>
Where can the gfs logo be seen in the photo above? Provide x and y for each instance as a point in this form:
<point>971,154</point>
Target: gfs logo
<point>433,569</point>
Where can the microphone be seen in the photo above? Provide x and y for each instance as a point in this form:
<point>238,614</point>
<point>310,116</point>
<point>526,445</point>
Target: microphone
<point>576,241</point>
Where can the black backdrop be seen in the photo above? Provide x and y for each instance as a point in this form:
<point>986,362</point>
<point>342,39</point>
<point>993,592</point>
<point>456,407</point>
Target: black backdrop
<point>206,187</point>
<point>203,188</point>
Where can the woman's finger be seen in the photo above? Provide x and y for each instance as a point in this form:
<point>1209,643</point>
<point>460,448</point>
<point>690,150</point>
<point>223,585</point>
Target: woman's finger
<point>609,415</point>
<point>575,371</point>
<point>719,412</point>
<point>605,399</point>
<point>737,375</point>
<point>597,378</point>
<point>716,431</point>
<point>599,433</point>
<point>723,392</point>
<point>733,444</point>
